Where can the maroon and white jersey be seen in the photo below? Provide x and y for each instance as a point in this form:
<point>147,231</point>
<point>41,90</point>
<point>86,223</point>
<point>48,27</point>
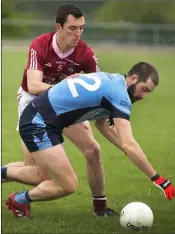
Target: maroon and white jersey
<point>44,55</point>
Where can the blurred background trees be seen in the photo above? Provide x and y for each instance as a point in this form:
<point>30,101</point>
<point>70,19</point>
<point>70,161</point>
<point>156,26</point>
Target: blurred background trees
<point>108,21</point>
<point>144,12</point>
<point>9,11</point>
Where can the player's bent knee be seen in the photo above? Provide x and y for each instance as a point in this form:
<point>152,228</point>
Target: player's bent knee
<point>71,188</point>
<point>69,185</point>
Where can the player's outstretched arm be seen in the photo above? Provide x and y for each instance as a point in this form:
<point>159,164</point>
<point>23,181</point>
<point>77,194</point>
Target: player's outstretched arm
<point>35,82</point>
<point>132,149</point>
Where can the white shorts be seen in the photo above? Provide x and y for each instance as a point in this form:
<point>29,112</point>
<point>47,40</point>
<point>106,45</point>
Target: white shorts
<point>23,98</point>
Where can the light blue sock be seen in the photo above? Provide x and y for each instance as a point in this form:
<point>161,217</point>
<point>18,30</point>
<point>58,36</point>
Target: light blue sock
<point>22,198</point>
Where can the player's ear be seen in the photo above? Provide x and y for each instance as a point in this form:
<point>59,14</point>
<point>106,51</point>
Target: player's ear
<point>133,79</point>
<point>58,26</point>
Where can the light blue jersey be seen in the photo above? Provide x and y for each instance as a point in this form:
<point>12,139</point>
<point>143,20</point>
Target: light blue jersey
<point>73,100</point>
<point>87,97</point>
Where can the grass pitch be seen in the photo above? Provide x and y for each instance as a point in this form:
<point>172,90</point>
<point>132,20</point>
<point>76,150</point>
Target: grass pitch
<point>153,122</point>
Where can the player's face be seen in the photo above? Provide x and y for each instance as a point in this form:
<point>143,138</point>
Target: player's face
<point>140,90</point>
<point>71,31</point>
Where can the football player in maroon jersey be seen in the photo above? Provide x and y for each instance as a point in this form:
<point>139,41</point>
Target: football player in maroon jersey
<point>51,58</point>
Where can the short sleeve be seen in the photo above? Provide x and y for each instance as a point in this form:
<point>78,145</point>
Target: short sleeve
<point>118,103</point>
<point>121,108</point>
<point>35,57</point>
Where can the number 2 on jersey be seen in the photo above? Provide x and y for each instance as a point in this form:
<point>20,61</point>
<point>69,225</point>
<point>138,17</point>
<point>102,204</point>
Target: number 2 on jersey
<point>90,87</point>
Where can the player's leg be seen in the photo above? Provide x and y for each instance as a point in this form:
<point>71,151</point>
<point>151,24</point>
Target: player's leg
<point>57,177</point>
<point>63,180</point>
<point>30,175</point>
<point>85,141</point>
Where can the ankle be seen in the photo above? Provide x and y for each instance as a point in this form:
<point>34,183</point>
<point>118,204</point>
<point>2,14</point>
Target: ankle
<point>99,203</point>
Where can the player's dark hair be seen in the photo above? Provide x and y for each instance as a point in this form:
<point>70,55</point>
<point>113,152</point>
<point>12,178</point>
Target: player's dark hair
<point>144,71</point>
<point>67,9</point>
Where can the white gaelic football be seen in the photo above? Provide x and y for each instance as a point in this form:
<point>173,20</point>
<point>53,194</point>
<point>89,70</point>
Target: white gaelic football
<point>136,216</point>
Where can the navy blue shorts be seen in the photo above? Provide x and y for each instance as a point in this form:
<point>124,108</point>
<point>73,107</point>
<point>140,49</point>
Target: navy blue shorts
<point>37,136</point>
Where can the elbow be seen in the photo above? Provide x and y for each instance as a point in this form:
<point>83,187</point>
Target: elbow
<point>32,88</point>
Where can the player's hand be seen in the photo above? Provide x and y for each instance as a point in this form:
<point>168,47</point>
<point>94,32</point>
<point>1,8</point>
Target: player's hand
<point>165,185</point>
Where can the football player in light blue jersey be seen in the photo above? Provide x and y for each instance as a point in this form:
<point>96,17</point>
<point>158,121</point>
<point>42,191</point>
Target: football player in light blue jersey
<point>86,97</point>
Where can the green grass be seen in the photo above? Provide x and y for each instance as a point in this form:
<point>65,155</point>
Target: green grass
<point>154,128</point>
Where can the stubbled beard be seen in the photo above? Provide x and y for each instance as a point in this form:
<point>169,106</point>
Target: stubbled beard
<point>131,91</point>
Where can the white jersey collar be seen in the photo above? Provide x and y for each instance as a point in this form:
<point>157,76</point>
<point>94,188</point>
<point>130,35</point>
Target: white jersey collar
<point>57,50</point>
